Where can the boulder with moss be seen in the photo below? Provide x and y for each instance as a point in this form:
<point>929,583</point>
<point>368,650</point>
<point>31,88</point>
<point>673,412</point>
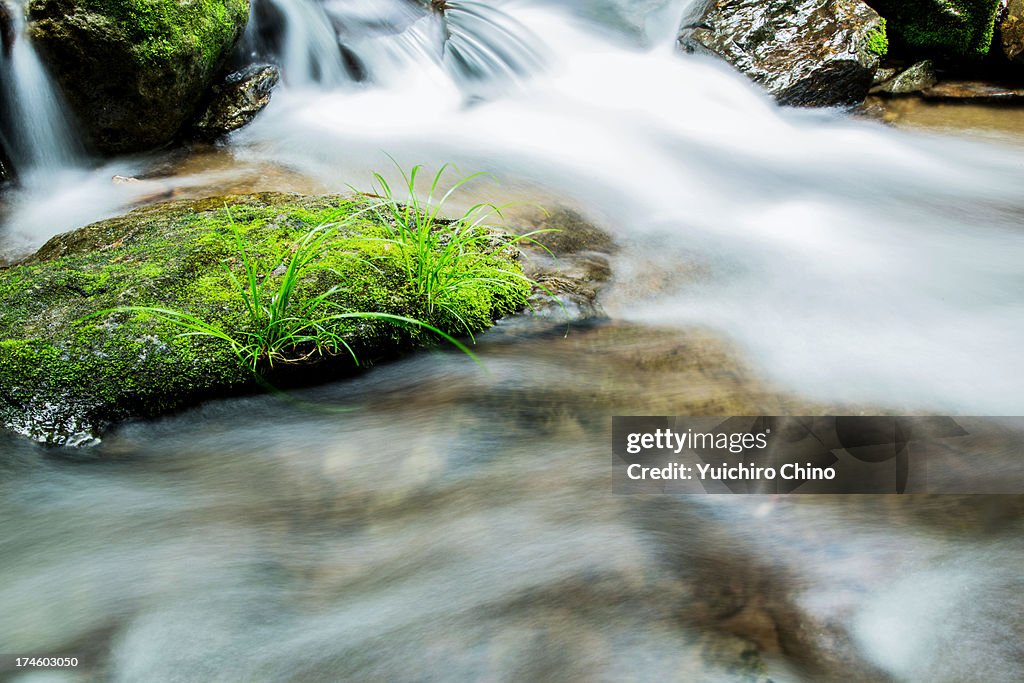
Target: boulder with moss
<point>951,30</point>
<point>804,52</point>
<point>66,376</point>
<point>135,71</point>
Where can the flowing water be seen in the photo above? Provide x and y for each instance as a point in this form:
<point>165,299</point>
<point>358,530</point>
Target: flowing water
<point>430,520</point>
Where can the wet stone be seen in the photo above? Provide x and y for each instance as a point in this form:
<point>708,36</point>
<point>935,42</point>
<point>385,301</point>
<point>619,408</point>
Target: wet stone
<point>804,52</point>
<point>910,80</point>
<point>977,91</point>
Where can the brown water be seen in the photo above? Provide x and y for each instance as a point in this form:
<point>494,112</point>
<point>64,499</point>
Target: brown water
<point>991,122</point>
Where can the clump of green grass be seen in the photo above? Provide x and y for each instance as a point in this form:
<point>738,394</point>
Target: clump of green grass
<point>280,326</point>
<point>443,258</point>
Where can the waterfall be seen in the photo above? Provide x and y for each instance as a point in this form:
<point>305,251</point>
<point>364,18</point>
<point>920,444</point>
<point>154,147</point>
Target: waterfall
<point>848,261</point>
<point>38,129</point>
<point>306,42</point>
<point>330,43</point>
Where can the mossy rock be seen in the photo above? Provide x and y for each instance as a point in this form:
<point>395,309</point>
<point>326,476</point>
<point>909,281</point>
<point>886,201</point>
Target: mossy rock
<point>135,71</point>
<point>946,29</point>
<point>65,377</point>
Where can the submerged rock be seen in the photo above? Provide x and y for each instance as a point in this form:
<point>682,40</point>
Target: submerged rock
<point>135,71</point>
<point>570,261</point>
<point>973,91</point>
<point>65,376</point>
<point>948,29</point>
<point>237,101</point>
<point>804,52</point>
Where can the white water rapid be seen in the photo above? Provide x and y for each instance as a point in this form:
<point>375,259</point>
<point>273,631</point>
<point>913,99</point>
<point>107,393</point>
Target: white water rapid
<point>849,260</point>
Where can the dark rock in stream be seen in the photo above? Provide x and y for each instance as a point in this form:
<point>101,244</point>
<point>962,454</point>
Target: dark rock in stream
<point>134,73</point>
<point>237,100</point>
<point>6,30</point>
<point>6,43</point>
<point>803,52</point>
<point>7,171</point>
<point>70,364</point>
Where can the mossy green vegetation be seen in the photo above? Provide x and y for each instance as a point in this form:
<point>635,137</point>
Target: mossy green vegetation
<point>161,29</point>
<point>135,71</point>
<point>951,29</point>
<point>441,258</point>
<point>877,42</point>
<point>66,372</point>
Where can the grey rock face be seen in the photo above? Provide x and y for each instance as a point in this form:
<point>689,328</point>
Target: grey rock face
<point>803,52</point>
<point>237,101</point>
<point>913,79</point>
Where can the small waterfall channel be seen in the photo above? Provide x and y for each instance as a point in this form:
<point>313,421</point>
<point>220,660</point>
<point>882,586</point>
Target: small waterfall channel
<point>37,131</point>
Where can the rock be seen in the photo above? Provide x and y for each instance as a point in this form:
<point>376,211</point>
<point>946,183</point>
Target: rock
<point>6,166</point>
<point>1012,31</point>
<point>974,91</point>
<point>886,73</point>
<point>804,52</point>
<point>6,42</point>
<point>135,71</point>
<point>149,191</point>
<point>64,378</point>
<point>946,29</point>
<point>569,261</point>
<point>567,289</point>
<point>913,79</point>
<point>564,231</point>
<point>6,29</point>
<point>237,100</point>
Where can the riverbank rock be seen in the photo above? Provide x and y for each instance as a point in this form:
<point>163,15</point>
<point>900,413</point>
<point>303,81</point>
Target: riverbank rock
<point>135,71</point>
<point>946,29</point>
<point>913,79</point>
<point>1011,32</point>
<point>237,100</point>
<point>66,376</point>
<point>804,52</point>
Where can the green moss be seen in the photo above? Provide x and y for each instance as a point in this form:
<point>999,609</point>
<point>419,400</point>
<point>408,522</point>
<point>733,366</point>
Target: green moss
<point>168,29</point>
<point>60,375</point>
<point>943,28</point>
<point>878,40</point>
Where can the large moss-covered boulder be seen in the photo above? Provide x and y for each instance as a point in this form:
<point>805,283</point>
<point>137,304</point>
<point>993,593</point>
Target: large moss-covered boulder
<point>804,52</point>
<point>135,71</point>
<point>949,29</point>
<point>65,376</point>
